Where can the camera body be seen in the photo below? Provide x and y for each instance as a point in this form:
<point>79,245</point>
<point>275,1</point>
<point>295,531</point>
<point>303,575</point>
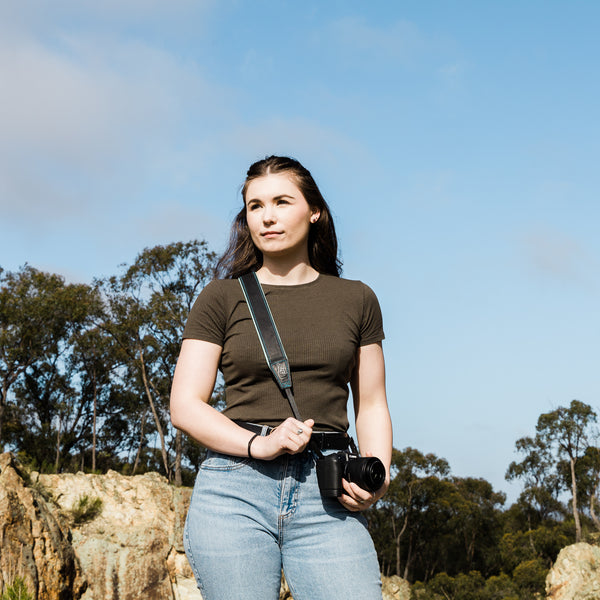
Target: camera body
<point>367,472</point>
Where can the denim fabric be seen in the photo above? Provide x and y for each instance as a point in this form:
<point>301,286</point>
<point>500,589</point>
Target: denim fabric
<point>248,519</point>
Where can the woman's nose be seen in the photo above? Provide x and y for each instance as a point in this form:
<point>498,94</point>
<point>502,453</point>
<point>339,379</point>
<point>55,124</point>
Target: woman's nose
<point>268,214</point>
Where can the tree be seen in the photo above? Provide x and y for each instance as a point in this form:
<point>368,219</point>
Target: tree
<point>404,500</point>
<point>93,358</point>
<point>148,307</point>
<point>563,434</point>
<point>39,315</point>
<point>542,484</point>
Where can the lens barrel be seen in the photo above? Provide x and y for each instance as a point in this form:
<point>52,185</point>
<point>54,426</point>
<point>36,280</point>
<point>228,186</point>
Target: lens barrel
<point>368,472</point>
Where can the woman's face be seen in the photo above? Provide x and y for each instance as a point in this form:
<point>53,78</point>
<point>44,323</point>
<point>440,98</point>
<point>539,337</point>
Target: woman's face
<point>278,215</point>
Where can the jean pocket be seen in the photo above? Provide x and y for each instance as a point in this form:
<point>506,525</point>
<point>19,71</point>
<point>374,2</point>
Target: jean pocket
<point>215,461</point>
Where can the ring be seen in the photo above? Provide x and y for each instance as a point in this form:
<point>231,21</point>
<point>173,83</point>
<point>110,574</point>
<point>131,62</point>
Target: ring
<point>299,431</point>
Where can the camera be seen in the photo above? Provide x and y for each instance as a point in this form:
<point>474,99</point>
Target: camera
<point>367,472</point>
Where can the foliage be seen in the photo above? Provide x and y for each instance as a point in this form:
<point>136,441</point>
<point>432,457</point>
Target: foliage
<point>86,508</point>
<point>85,377</point>
<point>431,522</point>
<point>85,370</point>
<point>17,590</point>
<point>563,437</point>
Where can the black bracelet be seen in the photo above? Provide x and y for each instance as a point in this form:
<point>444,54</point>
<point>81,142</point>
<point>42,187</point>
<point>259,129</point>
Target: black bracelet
<point>250,444</point>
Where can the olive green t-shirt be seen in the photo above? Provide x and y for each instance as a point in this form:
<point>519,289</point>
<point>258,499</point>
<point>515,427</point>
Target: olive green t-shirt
<point>321,325</point>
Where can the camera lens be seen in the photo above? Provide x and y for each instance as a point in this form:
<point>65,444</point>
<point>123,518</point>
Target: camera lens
<point>368,473</point>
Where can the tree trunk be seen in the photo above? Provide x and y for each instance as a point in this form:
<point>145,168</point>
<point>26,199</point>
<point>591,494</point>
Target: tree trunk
<point>408,559</point>
<point>139,450</point>
<point>593,511</point>
<point>398,538</point>
<point>1,418</point>
<point>94,424</point>
<point>57,457</point>
<point>3,397</point>
<point>163,446</point>
<point>178,451</point>
<point>575,511</point>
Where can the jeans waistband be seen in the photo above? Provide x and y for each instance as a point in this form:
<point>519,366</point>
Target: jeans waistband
<point>324,440</point>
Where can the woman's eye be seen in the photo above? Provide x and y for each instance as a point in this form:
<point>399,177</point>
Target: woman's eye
<point>252,206</point>
<point>281,201</point>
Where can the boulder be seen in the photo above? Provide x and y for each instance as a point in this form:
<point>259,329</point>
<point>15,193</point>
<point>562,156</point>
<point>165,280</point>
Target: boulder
<point>576,574</point>
<point>35,540</point>
<point>134,547</point>
<point>395,588</point>
<point>102,537</point>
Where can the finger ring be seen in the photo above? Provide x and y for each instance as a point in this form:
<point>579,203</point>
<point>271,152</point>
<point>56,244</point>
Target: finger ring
<point>300,430</point>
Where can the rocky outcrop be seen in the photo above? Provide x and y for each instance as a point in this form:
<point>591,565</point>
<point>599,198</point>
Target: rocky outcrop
<point>35,541</point>
<point>395,588</point>
<point>132,548</point>
<point>575,574</point>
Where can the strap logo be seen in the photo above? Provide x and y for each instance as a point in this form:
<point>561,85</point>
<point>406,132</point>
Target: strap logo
<point>281,370</point>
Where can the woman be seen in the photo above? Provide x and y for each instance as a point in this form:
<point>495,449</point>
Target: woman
<point>256,506</point>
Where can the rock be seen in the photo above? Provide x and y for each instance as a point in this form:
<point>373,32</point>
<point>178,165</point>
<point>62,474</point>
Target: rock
<point>575,574</point>
<point>395,588</point>
<point>134,547</point>
<point>35,541</point>
<point>131,549</point>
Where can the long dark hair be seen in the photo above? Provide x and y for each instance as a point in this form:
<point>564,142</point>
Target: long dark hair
<point>242,256</point>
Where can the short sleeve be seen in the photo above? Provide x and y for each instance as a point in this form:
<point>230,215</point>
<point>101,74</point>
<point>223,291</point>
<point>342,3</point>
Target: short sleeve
<point>371,330</point>
<point>207,319</point>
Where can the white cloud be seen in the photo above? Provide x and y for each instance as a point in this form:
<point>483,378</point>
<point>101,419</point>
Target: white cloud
<point>87,110</point>
<point>176,221</point>
<point>400,41</point>
<point>303,139</point>
<point>561,257</point>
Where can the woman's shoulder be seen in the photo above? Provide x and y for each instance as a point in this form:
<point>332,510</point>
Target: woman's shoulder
<point>223,285</point>
<point>219,291</point>
<point>349,286</point>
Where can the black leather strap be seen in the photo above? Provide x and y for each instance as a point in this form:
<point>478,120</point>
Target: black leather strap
<point>269,337</point>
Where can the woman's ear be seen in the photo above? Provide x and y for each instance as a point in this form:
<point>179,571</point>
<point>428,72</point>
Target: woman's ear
<point>315,216</point>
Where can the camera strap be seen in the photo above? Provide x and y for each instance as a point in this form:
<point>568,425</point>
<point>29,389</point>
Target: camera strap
<point>272,347</point>
<point>269,337</point>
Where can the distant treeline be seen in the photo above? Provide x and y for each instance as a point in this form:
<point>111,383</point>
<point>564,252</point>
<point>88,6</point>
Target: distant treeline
<point>86,371</point>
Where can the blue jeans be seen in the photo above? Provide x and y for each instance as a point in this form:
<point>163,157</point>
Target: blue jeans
<point>248,519</point>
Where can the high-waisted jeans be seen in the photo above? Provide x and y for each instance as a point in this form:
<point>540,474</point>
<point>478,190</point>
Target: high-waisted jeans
<point>248,519</point>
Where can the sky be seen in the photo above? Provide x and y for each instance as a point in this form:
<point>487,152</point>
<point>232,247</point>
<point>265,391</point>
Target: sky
<point>455,142</point>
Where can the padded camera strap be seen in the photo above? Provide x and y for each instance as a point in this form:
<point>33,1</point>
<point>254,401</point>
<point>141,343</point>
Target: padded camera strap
<point>269,337</point>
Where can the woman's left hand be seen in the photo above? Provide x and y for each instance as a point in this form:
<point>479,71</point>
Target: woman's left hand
<point>356,499</point>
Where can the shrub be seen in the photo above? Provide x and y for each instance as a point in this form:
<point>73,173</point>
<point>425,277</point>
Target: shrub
<point>86,509</point>
<point>17,590</point>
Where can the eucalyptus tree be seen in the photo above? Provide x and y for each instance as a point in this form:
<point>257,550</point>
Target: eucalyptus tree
<point>148,306</point>
<point>397,516</point>
<point>39,317</point>
<point>94,361</point>
<point>563,436</point>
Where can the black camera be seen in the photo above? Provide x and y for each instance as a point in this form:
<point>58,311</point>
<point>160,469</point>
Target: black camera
<point>367,472</point>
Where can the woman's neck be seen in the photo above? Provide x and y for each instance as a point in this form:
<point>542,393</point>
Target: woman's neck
<point>279,274</point>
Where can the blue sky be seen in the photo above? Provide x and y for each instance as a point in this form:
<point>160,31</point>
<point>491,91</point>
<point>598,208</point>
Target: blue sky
<point>456,143</point>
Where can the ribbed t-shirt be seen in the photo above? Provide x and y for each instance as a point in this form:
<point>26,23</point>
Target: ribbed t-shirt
<point>321,325</point>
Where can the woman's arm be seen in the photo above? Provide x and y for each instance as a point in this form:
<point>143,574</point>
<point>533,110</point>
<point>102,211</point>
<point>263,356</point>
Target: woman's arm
<point>373,422</point>
<point>193,384</point>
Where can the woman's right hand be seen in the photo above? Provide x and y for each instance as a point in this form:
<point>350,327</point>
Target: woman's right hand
<point>291,437</point>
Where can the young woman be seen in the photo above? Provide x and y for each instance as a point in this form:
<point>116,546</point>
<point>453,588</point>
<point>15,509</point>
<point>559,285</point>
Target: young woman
<point>256,507</point>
